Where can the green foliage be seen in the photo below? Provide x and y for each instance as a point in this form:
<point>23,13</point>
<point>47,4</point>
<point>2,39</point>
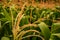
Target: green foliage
<point>45,30</point>
<point>5,38</point>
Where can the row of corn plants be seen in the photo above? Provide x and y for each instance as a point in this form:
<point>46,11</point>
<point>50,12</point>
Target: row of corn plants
<point>29,23</point>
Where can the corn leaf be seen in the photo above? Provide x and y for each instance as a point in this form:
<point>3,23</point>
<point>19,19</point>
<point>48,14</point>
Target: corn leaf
<point>56,34</point>
<point>45,30</point>
<point>55,28</point>
<point>5,38</point>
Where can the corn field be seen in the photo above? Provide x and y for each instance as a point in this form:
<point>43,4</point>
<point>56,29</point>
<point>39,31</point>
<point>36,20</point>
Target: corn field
<point>29,19</point>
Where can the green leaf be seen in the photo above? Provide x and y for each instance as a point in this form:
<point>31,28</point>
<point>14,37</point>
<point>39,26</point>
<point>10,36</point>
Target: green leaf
<point>42,14</point>
<point>5,38</point>
<point>45,30</point>
<point>57,34</point>
<point>51,39</point>
<point>55,28</point>
<point>6,22</point>
<point>7,15</point>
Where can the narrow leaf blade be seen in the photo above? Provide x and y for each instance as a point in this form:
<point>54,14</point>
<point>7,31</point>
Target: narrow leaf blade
<point>45,30</point>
